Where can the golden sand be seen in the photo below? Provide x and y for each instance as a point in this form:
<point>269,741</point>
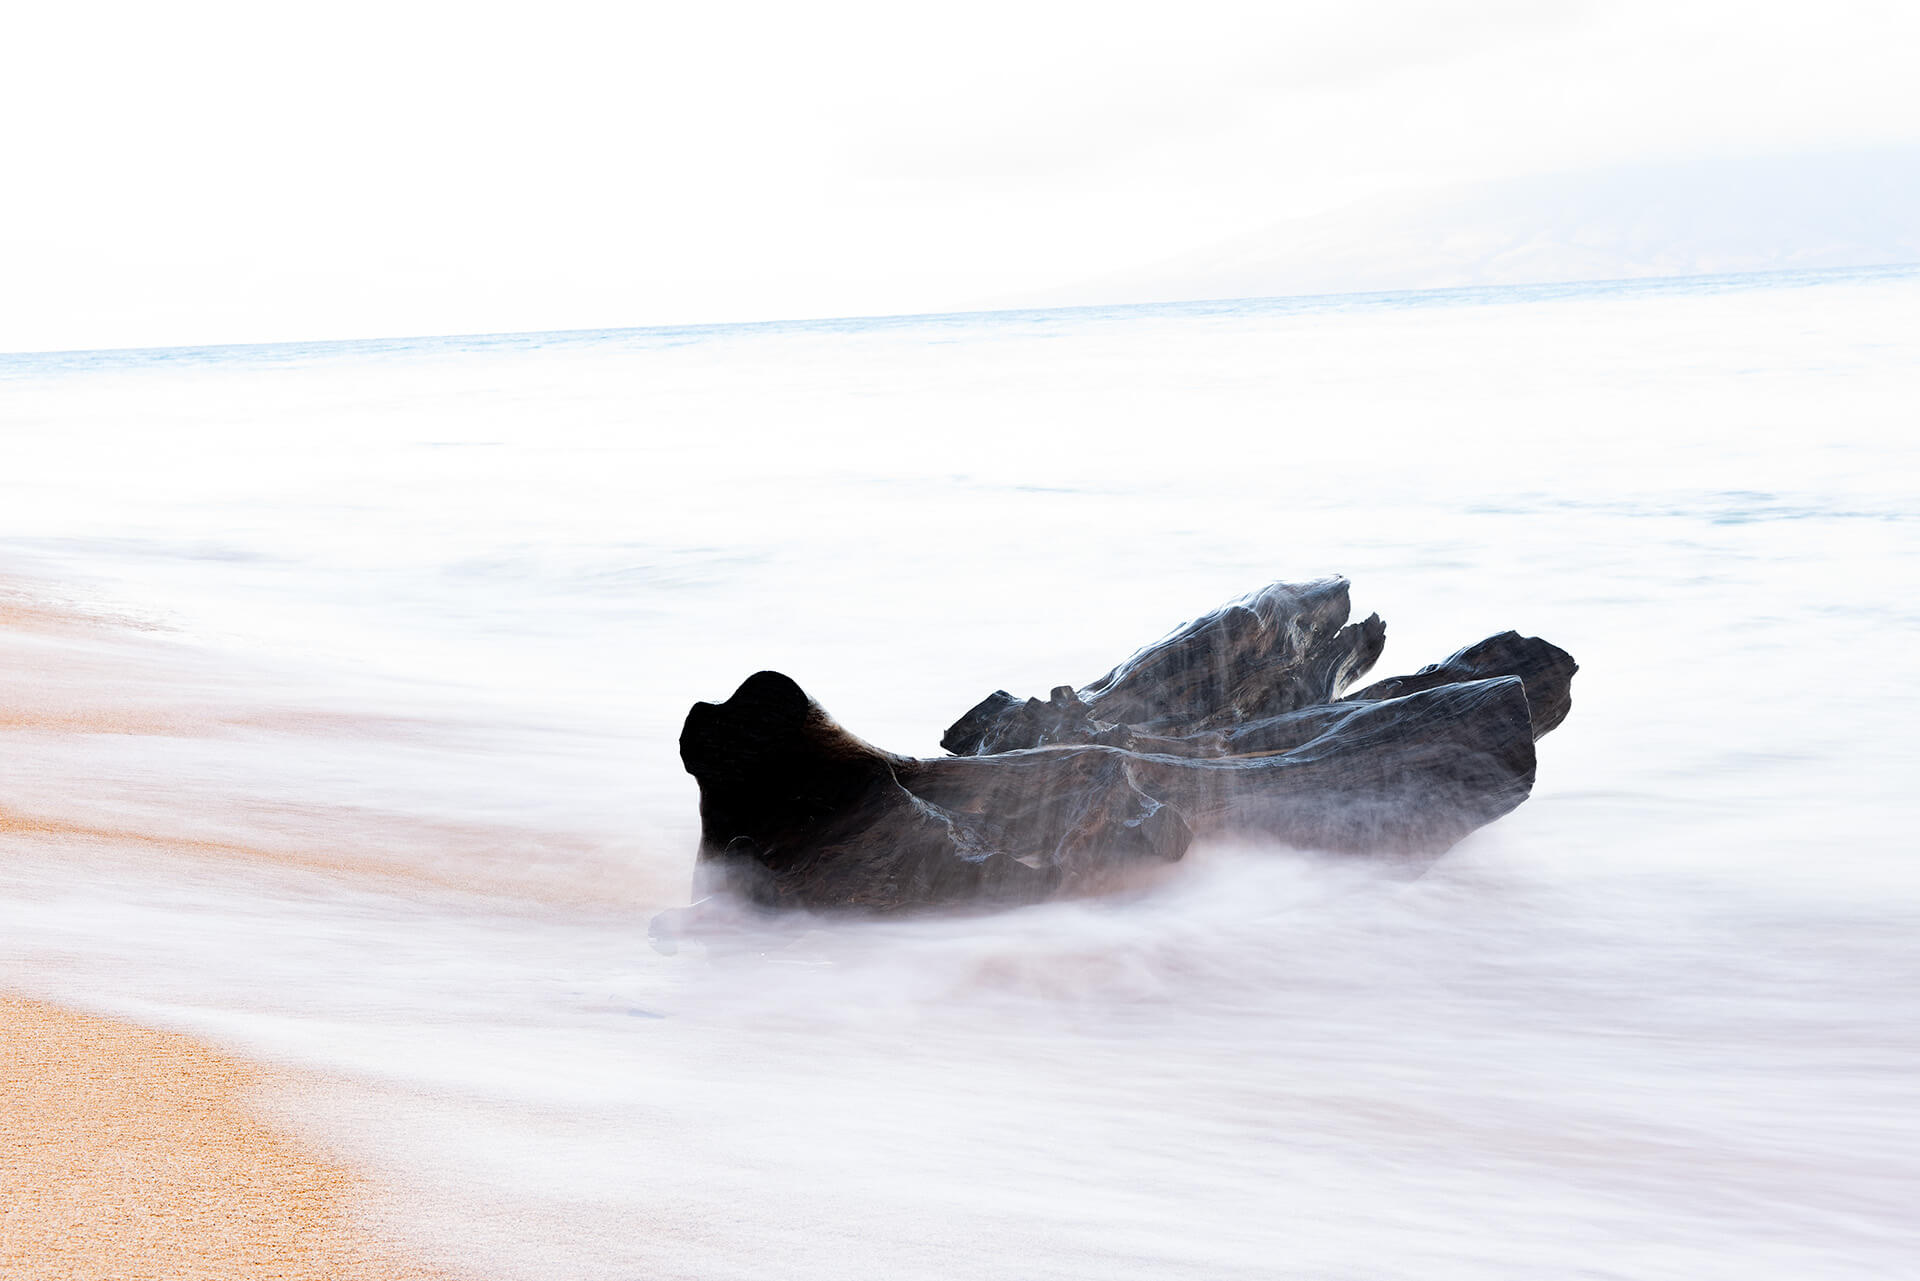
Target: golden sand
<point>128,1153</point>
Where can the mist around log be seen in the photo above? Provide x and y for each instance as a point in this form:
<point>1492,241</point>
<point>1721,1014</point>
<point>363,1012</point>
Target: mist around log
<point>344,686</point>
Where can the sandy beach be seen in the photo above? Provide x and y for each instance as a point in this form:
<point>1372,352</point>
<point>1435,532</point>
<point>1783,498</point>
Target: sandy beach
<point>340,692</point>
<point>131,1153</point>
<point>126,1151</point>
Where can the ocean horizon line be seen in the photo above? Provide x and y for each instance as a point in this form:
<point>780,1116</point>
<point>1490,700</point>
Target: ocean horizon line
<point>272,350</point>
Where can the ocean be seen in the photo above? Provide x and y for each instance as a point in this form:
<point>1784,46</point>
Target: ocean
<point>342,684</point>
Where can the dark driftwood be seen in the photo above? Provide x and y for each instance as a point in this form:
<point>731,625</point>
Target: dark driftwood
<point>1232,725</point>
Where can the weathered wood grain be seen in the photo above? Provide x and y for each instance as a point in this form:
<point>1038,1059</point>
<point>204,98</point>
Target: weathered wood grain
<point>1234,724</point>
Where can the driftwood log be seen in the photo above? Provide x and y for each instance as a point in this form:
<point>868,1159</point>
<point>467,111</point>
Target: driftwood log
<point>1236,724</point>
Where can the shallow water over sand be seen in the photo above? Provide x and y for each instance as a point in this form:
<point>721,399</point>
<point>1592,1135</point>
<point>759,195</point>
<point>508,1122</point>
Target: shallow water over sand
<point>341,686</point>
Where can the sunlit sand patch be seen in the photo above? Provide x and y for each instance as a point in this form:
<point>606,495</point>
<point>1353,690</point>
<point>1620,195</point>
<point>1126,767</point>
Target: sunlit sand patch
<point>130,1153</point>
<point>133,756</point>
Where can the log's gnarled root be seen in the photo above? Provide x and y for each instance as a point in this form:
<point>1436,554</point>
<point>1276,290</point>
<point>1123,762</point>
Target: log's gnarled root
<point>1285,647</point>
<point>1232,725</point>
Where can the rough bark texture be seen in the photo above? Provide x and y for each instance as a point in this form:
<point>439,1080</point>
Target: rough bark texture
<point>1232,725</point>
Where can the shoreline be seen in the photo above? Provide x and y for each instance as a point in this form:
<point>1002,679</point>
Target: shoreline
<point>135,1153</point>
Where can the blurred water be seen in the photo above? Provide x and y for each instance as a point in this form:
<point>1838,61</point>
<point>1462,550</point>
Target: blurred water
<point>370,770</point>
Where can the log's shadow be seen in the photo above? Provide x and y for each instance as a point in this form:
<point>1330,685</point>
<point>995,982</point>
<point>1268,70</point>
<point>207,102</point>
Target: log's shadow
<point>1235,725</point>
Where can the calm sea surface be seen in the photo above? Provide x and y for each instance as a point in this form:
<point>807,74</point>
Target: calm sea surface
<point>343,683</point>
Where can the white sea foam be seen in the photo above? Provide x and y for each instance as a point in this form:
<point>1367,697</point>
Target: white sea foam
<point>1660,1022</point>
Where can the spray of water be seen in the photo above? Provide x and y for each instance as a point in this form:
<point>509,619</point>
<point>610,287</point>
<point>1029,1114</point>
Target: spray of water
<point>341,689</point>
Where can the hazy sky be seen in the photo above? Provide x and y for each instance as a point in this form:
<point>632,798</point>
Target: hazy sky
<point>231,172</point>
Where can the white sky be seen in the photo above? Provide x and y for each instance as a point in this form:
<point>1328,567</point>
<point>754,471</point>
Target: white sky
<point>237,172</point>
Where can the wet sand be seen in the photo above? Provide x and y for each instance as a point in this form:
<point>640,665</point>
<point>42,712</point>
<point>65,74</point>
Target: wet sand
<point>130,1153</point>
<point>126,744</point>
